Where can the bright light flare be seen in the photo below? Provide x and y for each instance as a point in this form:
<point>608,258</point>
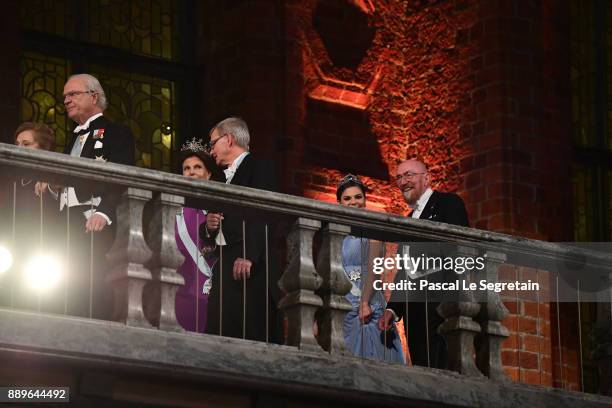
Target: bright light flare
<point>6,259</point>
<point>43,272</point>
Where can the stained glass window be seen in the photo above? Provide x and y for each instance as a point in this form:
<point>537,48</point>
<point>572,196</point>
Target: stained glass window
<point>48,16</point>
<point>139,26</point>
<point>591,82</point>
<point>127,30</point>
<point>146,105</point>
<point>42,84</point>
<point>582,72</point>
<point>143,27</point>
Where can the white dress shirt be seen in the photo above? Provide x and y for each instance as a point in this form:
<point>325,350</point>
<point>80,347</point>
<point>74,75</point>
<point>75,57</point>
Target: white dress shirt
<point>229,176</point>
<point>421,203</point>
<point>68,196</point>
<point>231,170</point>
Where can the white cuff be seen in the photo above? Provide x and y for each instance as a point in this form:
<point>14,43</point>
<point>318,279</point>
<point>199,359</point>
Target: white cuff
<point>89,213</point>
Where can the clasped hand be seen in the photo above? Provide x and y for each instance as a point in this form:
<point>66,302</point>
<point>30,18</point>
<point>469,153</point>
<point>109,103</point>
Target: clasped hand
<point>213,221</point>
<point>385,322</point>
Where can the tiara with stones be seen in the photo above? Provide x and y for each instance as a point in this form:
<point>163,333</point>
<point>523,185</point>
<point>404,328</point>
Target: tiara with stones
<point>193,145</point>
<point>350,178</point>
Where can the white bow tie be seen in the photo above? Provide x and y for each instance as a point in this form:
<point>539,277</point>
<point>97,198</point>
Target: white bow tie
<point>229,173</point>
<point>80,128</point>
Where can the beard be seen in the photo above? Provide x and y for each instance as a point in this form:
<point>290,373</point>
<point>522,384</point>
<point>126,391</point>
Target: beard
<point>409,196</point>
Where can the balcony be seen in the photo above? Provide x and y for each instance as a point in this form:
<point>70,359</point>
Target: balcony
<point>145,358</point>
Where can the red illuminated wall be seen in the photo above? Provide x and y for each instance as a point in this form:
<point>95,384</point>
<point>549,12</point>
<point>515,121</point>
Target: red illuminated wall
<point>478,89</point>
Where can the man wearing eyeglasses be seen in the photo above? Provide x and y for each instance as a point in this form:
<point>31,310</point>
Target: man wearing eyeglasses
<point>92,205</point>
<point>244,251</point>
<point>413,180</point>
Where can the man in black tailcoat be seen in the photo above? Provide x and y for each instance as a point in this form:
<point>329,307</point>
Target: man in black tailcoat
<point>243,254</point>
<point>414,181</point>
<point>92,204</point>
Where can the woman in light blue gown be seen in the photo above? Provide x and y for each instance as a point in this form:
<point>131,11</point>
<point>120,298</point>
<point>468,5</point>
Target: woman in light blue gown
<point>364,340</point>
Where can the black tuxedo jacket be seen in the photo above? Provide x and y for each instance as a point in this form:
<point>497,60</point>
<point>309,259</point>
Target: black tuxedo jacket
<point>260,174</point>
<point>445,207</point>
<point>450,209</point>
<point>116,145</point>
<point>253,173</point>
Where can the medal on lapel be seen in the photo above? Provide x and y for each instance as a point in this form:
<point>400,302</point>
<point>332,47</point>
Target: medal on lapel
<point>98,134</point>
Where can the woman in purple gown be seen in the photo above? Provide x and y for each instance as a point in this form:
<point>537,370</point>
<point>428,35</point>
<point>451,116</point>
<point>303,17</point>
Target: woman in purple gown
<point>199,259</point>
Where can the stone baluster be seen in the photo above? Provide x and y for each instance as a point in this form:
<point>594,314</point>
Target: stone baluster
<point>333,289</point>
<point>128,275</point>
<point>166,258</point>
<point>300,281</point>
<point>493,333</point>
<point>458,310</point>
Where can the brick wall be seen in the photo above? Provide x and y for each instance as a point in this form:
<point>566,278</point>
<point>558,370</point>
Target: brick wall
<point>402,94</point>
<point>242,60</point>
<point>521,115</point>
<point>527,353</point>
<point>477,89</point>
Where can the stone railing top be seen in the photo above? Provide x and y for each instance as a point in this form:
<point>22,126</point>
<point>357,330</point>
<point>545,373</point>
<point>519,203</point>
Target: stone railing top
<point>246,365</point>
<point>60,167</point>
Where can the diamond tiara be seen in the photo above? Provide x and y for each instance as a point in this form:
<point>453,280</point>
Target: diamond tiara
<point>350,178</point>
<point>193,145</point>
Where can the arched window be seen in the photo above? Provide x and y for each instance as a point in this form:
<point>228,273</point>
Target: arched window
<point>132,46</point>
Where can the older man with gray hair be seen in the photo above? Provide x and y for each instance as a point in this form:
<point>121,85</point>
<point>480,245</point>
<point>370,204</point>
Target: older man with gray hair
<point>244,258</point>
<point>92,206</point>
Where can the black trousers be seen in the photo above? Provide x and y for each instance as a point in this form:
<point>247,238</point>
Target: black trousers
<point>86,266</point>
<point>232,295</point>
<point>420,329</point>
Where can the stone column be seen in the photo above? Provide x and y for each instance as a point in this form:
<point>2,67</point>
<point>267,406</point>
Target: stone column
<point>493,333</point>
<point>299,282</point>
<point>333,289</point>
<point>128,275</point>
<point>458,309</point>
<point>166,257</point>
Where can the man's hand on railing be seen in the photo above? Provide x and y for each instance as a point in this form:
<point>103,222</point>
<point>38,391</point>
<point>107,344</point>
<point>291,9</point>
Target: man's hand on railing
<point>365,312</point>
<point>242,269</point>
<point>95,223</point>
<point>40,188</point>
<point>213,220</point>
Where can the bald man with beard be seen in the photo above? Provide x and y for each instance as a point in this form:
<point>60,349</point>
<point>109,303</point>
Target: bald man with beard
<point>413,180</point>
